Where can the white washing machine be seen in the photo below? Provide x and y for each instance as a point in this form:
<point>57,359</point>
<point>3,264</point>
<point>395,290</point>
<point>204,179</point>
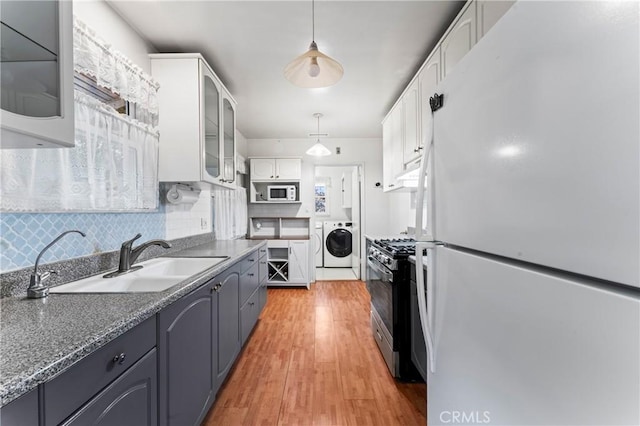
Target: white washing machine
<point>337,244</point>
<point>318,243</point>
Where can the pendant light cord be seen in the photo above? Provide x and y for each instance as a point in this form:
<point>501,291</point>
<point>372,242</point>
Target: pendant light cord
<point>318,128</point>
<point>313,23</point>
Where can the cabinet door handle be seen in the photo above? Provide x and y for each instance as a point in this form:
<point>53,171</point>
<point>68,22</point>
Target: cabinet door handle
<point>391,185</point>
<point>252,260</point>
<point>289,250</point>
<point>277,176</point>
<point>252,303</point>
<point>119,358</point>
<point>417,150</point>
<point>263,263</point>
<point>271,176</point>
<point>251,275</point>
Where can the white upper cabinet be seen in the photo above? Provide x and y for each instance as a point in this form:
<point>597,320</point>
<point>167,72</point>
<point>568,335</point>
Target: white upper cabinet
<point>37,74</point>
<point>406,129</point>
<point>411,142</point>
<point>283,169</point>
<point>263,168</point>
<point>392,147</point>
<point>229,136</point>
<point>288,168</point>
<point>489,12</point>
<point>428,80</point>
<point>211,114</point>
<point>459,40</point>
<point>197,122</point>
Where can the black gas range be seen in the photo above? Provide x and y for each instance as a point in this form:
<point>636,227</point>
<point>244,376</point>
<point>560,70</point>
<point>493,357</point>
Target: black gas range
<point>388,284</point>
<point>391,251</point>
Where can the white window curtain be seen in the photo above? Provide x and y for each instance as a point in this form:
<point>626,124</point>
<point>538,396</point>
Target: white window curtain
<point>229,213</point>
<point>111,69</point>
<point>113,167</point>
<point>114,164</point>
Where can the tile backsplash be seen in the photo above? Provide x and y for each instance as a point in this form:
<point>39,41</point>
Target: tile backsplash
<point>24,235</point>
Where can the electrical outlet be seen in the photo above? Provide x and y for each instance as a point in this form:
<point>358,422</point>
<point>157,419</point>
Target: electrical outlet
<point>203,223</point>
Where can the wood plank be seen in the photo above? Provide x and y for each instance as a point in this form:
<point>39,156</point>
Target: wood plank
<point>325,343</point>
<point>329,408</point>
<point>312,360</point>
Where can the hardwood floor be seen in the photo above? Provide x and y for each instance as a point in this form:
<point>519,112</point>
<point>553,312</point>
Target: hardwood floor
<point>312,361</point>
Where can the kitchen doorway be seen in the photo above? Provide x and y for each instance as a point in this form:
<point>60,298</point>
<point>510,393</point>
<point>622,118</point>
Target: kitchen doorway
<point>338,222</point>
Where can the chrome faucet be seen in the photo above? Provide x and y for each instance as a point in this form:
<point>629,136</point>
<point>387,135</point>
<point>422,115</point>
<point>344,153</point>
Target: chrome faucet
<point>129,255</point>
<point>36,288</point>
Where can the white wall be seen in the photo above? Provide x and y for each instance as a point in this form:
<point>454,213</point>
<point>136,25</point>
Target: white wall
<point>107,24</point>
<point>402,211</point>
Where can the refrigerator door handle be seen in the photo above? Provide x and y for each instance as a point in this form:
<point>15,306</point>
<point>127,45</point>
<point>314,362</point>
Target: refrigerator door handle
<point>425,302</point>
<point>422,176</point>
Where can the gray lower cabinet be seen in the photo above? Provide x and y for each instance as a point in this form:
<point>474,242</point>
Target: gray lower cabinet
<point>133,381</point>
<point>227,287</point>
<point>249,282</point>
<point>129,401</point>
<point>262,277</point>
<point>80,385</point>
<point>249,315</point>
<point>187,353</point>
<point>22,411</point>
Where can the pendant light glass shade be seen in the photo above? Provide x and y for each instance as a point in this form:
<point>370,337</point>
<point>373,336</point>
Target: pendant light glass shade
<point>313,68</point>
<point>318,150</point>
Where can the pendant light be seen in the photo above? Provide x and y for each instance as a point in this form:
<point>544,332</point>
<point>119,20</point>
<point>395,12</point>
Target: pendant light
<point>313,68</point>
<point>318,150</point>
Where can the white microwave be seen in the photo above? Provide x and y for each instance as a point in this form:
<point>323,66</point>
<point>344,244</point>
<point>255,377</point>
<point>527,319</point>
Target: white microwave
<point>281,193</point>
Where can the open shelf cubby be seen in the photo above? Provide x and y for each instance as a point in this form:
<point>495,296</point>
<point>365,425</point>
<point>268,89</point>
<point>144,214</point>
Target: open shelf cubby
<point>288,228</point>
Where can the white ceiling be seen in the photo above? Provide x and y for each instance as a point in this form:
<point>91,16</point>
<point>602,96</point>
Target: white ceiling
<point>380,44</point>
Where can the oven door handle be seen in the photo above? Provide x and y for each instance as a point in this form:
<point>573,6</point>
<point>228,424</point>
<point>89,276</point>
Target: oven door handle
<point>387,276</point>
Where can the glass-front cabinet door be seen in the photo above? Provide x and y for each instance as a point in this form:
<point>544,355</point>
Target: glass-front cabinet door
<point>211,124</point>
<point>36,69</point>
<point>229,130</point>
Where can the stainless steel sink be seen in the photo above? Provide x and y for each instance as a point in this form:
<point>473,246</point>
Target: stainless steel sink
<point>156,275</point>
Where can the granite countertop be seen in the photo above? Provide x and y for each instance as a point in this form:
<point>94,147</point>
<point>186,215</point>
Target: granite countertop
<point>39,338</point>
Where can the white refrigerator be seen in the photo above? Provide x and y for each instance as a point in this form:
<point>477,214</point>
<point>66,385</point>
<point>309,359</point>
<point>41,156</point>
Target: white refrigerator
<point>532,306</point>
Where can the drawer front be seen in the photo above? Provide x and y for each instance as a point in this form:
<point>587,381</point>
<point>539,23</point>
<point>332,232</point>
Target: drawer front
<point>248,283</point>
<point>75,386</point>
<point>262,251</point>
<point>249,315</point>
<point>130,400</point>
<point>385,346</point>
<point>262,291</point>
<point>263,269</point>
<point>248,262</point>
